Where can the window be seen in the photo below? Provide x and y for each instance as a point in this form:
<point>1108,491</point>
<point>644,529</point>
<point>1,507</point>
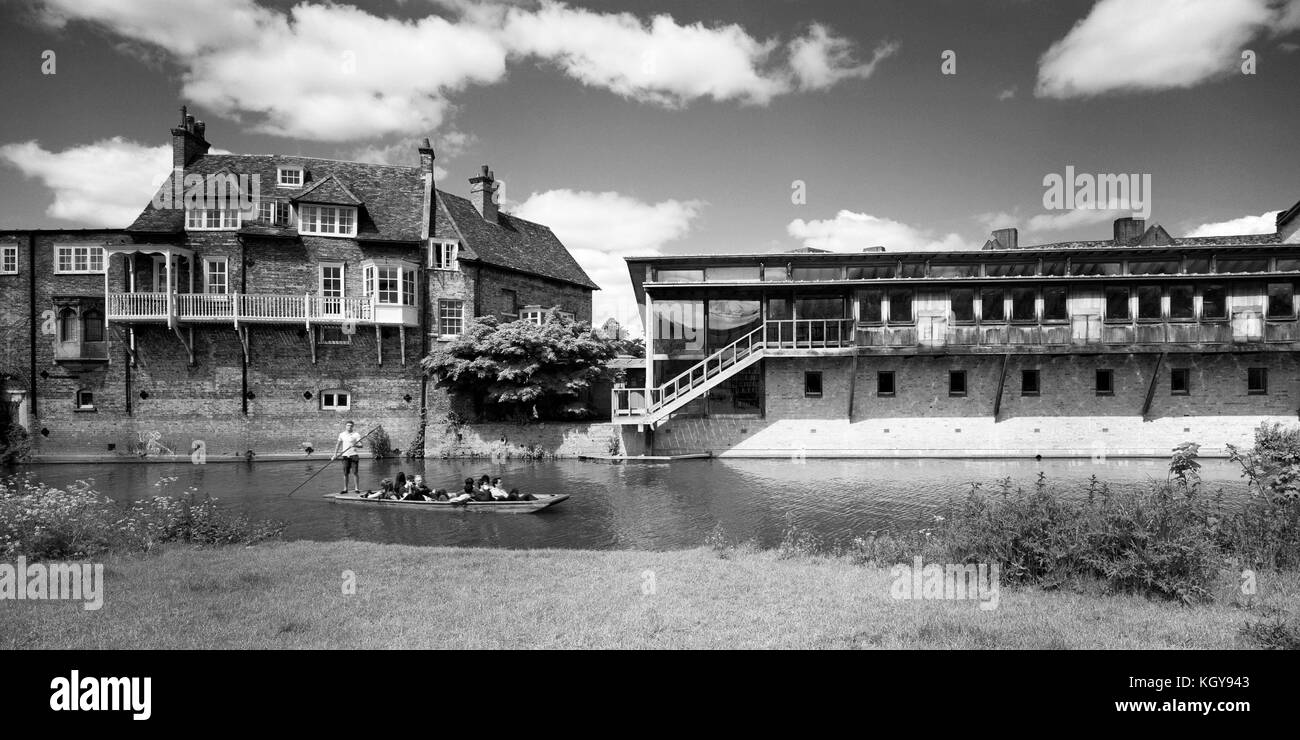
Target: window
<point>816,273</point>
<point>408,287</point>
<point>332,335</point>
<point>1161,267</point>
<point>962,303</point>
<point>1180,382</point>
<point>1105,382</point>
<point>683,276</point>
<point>1199,265</point>
<point>869,302</point>
<point>331,288</point>
<point>1055,300</point>
<point>327,220</point>
<point>8,260</point>
<point>900,306</point>
<point>1149,302</point>
<point>1239,265</point>
<point>288,177</point>
<point>73,260</point>
<point>812,384</point>
<point>1024,304</point>
<point>885,383</point>
<point>564,314</point>
<point>1214,302</point>
<point>85,400</point>
<point>212,219</point>
<point>870,272</point>
<point>1257,381</point>
<point>387,285</point>
<point>1281,301</point>
<point>1029,382</point>
<point>1117,303</point>
<point>1010,269</point>
<point>1096,268</point>
<point>956,382</point>
<point>68,325</point>
<point>744,273</point>
<point>509,302</point>
<point>335,400</point>
<point>535,314</point>
<point>273,212</point>
<point>992,305</point>
<point>443,254</point>
<point>1181,302</point>
<point>92,326</point>
<point>451,317</point>
<point>216,275</point>
<point>953,271</point>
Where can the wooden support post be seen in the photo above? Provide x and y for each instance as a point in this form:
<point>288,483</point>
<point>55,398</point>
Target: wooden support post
<point>189,347</point>
<point>401,333</point>
<point>311,339</point>
<point>243,340</point>
<point>853,383</point>
<point>1151,387</point>
<point>379,343</point>
<point>1002,380</point>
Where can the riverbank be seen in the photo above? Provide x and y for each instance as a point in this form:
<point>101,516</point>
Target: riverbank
<point>293,595</point>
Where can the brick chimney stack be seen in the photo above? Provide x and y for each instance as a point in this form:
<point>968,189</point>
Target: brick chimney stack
<point>188,142</point>
<point>1129,230</point>
<point>426,158</point>
<point>1007,238</point>
<point>482,193</point>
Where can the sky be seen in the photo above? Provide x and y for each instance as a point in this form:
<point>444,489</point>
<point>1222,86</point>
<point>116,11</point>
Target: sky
<point>636,128</point>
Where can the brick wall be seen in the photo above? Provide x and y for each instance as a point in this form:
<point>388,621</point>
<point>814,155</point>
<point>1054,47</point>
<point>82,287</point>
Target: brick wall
<point>531,291</point>
<point>1067,419</point>
<point>550,439</point>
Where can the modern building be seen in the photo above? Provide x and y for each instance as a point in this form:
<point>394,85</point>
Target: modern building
<point>1123,346</point>
<point>299,292</point>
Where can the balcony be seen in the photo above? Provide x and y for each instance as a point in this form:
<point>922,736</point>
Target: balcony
<point>245,308</point>
<point>80,352</point>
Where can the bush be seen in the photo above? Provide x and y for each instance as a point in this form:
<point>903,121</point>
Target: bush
<point>15,445</point>
<point>45,523</point>
<point>381,446</point>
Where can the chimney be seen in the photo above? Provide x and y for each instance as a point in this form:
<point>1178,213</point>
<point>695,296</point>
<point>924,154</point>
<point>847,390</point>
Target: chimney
<point>188,143</point>
<point>1128,230</point>
<point>426,158</point>
<point>1007,238</point>
<point>483,194</point>
<point>873,249</point>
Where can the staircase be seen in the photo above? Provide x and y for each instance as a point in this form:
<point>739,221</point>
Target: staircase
<point>694,382</point>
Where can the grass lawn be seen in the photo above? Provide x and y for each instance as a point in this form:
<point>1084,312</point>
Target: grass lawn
<point>290,595</point>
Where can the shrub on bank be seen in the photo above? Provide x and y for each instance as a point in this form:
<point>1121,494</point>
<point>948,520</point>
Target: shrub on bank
<point>41,522</point>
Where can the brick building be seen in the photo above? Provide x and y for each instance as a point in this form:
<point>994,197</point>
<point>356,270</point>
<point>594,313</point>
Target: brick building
<point>1124,346</point>
<point>299,292</point>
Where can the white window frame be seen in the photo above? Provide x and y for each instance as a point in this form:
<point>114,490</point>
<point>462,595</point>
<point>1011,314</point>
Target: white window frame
<point>280,172</point>
<point>72,250</point>
<point>407,281</point>
<point>336,393</point>
<point>207,274</point>
<point>76,400</point>
<point>535,314</point>
<point>8,254</point>
<point>568,314</point>
<point>441,318</point>
<point>342,289</point>
<point>311,220</point>
<point>280,213</point>
<point>444,254</point>
<point>197,219</point>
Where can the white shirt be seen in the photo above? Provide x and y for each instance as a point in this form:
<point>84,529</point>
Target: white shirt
<point>348,443</point>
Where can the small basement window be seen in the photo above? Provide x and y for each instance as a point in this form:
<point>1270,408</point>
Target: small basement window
<point>333,335</point>
<point>1105,382</point>
<point>1029,383</point>
<point>956,382</point>
<point>335,400</point>
<point>885,383</point>
<point>812,384</point>
<point>85,400</point>
<point>1257,381</point>
<point>1180,383</point>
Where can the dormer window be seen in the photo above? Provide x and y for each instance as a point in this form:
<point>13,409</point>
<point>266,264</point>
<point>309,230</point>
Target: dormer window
<point>289,177</point>
<point>443,254</point>
<point>273,213</point>
<point>212,219</point>
<point>327,220</point>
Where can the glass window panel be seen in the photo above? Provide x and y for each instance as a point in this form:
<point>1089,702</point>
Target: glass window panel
<point>1181,304</point>
<point>962,302</point>
<point>779,309</point>
<point>1096,268</point>
<point>1012,269</point>
<point>738,273</point>
<point>1288,264</point>
<point>1199,265</point>
<point>816,273</point>
<point>679,326</point>
<point>1054,303</point>
<point>1281,300</point>
<point>992,305</point>
<point>1023,306</point>
<point>912,270</point>
<point>1243,265</point>
<point>679,276</point>
<point>730,320</point>
<point>1157,267</point>
<point>872,272</point>
<point>774,273</point>
<point>1117,302</point>
<point>951,271</point>
<point>819,308</point>
<point>869,305</point>
<point>900,305</point>
<point>1214,302</point>
<point>1149,302</point>
<point>1054,268</point>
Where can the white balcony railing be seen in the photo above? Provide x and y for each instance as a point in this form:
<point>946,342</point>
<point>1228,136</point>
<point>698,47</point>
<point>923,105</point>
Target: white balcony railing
<point>255,308</point>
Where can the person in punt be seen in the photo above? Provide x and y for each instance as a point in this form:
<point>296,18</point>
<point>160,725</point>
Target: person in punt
<point>515,495</point>
<point>416,490</point>
<point>385,488</point>
<point>483,491</point>
<point>466,494</point>
<point>498,493</point>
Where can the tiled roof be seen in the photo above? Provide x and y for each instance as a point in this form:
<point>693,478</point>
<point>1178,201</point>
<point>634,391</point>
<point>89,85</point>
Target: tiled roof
<point>1239,240</point>
<point>390,200</point>
<point>328,191</point>
<point>514,243</point>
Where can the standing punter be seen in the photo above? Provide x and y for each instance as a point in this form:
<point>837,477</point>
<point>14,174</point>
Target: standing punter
<point>347,448</point>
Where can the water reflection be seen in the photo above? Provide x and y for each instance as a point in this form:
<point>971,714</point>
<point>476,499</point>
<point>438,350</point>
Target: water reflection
<point>630,506</point>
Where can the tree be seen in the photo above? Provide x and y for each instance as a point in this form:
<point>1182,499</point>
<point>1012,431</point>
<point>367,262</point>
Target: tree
<point>522,369</point>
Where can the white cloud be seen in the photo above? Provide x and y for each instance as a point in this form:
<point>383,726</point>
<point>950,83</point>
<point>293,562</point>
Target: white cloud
<point>600,229</point>
<point>821,60</point>
<point>1264,223</point>
<point>1128,45</point>
<point>106,183</point>
<point>338,73</point>
<point>851,232</point>
<point>1008,93</point>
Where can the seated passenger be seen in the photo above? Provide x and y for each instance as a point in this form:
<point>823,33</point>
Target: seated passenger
<point>466,494</point>
<point>440,494</point>
<point>515,495</point>
<point>416,490</point>
<point>498,493</point>
<point>385,489</point>
<point>483,491</point>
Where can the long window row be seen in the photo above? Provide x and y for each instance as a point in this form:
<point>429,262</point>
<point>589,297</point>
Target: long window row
<point>1055,267</point>
<point>1180,383</point>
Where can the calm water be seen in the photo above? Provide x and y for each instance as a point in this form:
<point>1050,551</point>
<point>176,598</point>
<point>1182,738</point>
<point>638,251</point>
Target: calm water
<point>613,506</point>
